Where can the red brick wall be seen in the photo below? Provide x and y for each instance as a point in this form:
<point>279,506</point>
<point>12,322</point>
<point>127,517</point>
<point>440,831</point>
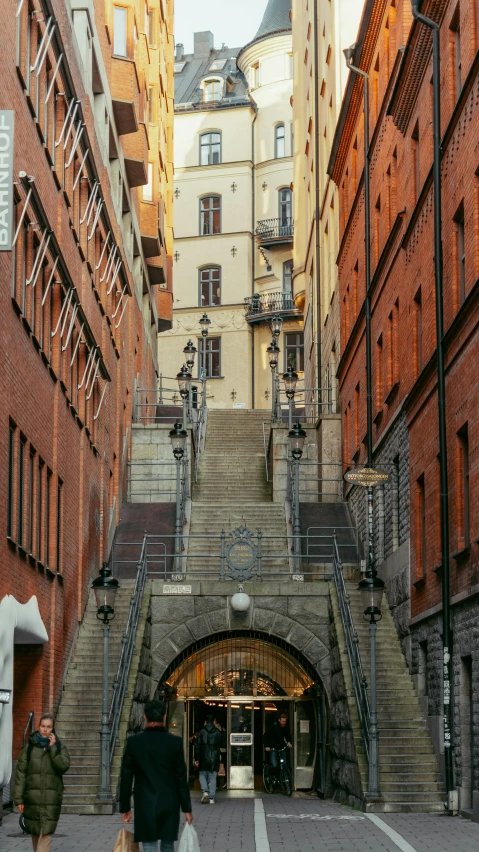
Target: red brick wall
<point>402,262</point>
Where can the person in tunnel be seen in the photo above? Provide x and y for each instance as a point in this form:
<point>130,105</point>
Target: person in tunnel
<point>207,753</point>
<point>276,738</point>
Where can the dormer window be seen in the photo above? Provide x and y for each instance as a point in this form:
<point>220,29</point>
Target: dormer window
<point>178,67</point>
<point>218,65</point>
<point>212,91</point>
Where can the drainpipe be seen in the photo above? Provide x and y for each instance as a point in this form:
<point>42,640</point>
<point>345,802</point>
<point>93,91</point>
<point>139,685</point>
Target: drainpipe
<point>441,400</point>
<point>317,203</point>
<point>253,246</point>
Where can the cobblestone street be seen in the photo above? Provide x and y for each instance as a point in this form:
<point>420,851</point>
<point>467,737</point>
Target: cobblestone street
<point>236,824</point>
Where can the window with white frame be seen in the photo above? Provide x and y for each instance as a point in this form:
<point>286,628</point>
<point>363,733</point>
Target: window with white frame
<point>148,188</point>
<point>210,149</point>
<point>120,31</point>
<point>279,141</point>
<point>210,215</point>
<point>209,286</point>
<point>212,91</point>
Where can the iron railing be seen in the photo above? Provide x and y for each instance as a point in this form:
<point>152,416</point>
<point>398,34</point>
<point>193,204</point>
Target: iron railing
<point>360,685</point>
<point>269,303</point>
<point>308,405</point>
<point>120,681</point>
<point>29,726</point>
<point>275,229</point>
<point>314,486</point>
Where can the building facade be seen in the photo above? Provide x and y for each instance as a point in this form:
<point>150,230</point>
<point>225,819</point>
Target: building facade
<point>395,51</point>
<point>87,285</point>
<point>233,210</point>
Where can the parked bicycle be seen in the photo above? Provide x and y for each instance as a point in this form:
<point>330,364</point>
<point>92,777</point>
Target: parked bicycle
<point>281,776</point>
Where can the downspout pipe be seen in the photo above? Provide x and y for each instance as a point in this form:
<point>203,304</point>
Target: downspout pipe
<point>253,245</point>
<point>317,204</point>
<point>441,399</point>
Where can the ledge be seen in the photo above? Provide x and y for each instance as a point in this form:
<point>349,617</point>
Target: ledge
<point>419,584</point>
<point>463,553</point>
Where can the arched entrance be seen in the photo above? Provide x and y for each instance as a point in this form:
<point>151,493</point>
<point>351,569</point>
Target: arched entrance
<point>246,679</point>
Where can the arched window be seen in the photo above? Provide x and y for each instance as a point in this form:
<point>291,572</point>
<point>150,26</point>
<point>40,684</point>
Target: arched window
<point>285,197</point>
<point>279,141</point>
<point>212,91</point>
<point>209,286</point>
<point>210,215</point>
<point>210,149</point>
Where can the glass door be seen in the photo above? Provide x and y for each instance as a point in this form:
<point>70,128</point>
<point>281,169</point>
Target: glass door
<point>305,744</point>
<point>240,745</point>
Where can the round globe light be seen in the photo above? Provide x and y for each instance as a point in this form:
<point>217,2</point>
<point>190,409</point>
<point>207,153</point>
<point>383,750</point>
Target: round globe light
<point>240,602</point>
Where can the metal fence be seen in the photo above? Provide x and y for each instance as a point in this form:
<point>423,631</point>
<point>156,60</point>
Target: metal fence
<point>308,405</point>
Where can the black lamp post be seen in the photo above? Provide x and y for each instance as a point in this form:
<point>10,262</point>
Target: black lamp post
<point>441,397</point>
<point>178,437</point>
<point>105,587</point>
<point>184,384</point>
<point>273,352</point>
<point>276,326</point>
<point>205,323</point>
<point>190,352</point>
<point>290,379</point>
<point>297,437</point>
<point>372,589</point>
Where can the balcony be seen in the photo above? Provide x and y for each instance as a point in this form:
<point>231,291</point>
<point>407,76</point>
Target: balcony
<point>150,237</point>
<point>275,232</point>
<point>125,94</point>
<point>260,308</point>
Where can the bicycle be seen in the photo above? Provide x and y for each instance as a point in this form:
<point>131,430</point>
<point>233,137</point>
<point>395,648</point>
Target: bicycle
<point>281,776</point>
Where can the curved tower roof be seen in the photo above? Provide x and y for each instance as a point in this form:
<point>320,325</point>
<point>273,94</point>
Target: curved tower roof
<point>275,19</point>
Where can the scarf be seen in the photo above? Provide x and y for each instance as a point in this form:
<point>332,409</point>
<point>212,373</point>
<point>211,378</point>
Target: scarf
<point>41,741</point>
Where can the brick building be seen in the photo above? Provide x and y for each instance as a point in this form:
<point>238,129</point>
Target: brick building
<point>84,292</point>
<point>396,53</point>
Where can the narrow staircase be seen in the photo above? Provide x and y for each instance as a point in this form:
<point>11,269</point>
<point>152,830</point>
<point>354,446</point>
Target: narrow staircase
<point>409,773</point>
<point>232,490</point>
<point>79,716</point>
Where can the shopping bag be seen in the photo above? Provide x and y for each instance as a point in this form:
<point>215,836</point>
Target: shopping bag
<point>125,842</point>
<point>189,840</point>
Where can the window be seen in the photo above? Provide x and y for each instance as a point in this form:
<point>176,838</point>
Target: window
<point>418,330</point>
<point>210,286</point>
<point>47,517</point>
<point>288,278</point>
<point>395,504</point>
<point>210,357</point>
<point>255,78</point>
<point>21,493</point>
<point>148,188</point>
<point>290,60</point>
<point>279,141</point>
<point>420,528</point>
<point>212,91</point>
<point>31,499</point>
<point>285,207</point>
<point>416,161</point>
<point>461,257</point>
<point>59,525</point>
<point>218,65</point>
<point>210,149</point>
<point>40,480</point>
<point>456,51</point>
<point>150,24</point>
<point>464,502</point>
<point>151,109</point>
<point>178,67</point>
<point>11,474</point>
<point>294,350</point>
<point>120,27</point>
<point>379,373</point>
<point>210,215</point>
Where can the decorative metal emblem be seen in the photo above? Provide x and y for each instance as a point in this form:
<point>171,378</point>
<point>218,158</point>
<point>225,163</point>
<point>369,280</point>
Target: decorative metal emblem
<point>241,554</point>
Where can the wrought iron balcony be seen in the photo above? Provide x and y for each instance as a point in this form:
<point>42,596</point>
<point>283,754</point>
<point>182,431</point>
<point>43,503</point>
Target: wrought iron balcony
<point>261,307</point>
<point>275,232</point>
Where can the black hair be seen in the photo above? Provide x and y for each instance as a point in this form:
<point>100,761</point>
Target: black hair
<point>210,719</point>
<point>283,714</point>
<point>47,716</point>
<point>155,711</point>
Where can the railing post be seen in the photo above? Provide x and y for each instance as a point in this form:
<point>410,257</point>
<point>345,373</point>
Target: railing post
<point>260,553</point>
<point>161,388</point>
<point>222,555</point>
<point>178,519</point>
<point>297,524</point>
<point>104,793</point>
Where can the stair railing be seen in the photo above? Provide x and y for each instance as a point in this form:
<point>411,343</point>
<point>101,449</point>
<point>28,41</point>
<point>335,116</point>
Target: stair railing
<point>30,726</point>
<point>360,684</point>
<point>120,681</point>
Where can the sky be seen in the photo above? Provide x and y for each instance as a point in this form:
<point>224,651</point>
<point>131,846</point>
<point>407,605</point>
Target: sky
<point>232,22</point>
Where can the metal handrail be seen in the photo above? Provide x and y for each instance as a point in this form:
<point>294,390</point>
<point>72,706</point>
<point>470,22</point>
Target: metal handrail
<point>360,684</point>
<point>120,681</point>
<point>265,451</point>
<point>269,303</point>
<point>30,724</point>
<point>275,228</point>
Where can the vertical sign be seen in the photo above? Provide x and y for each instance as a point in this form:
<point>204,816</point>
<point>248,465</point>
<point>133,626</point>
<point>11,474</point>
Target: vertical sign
<point>6,179</point>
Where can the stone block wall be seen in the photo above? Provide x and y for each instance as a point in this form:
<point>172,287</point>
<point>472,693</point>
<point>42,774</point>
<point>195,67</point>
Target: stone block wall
<point>152,472</point>
<point>278,465</point>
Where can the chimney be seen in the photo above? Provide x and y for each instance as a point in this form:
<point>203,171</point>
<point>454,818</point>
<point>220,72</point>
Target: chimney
<point>204,44</point>
<point>179,52</point>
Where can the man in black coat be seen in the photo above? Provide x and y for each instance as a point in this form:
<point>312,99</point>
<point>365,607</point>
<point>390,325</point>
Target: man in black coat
<point>277,738</point>
<point>207,752</point>
<point>154,760</point>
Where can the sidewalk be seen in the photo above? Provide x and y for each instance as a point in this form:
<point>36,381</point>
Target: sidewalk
<point>275,824</point>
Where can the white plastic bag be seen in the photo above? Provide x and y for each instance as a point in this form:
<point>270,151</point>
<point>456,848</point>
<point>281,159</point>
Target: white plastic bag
<point>189,840</point>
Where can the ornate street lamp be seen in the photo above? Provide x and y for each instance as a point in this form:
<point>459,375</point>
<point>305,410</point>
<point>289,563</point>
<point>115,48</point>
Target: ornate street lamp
<point>178,437</point>
<point>105,588</point>
<point>190,352</point>
<point>273,352</point>
<point>184,383</point>
<point>296,437</point>
<point>372,589</point>
<point>276,325</point>
<point>205,323</point>
<point>290,379</point>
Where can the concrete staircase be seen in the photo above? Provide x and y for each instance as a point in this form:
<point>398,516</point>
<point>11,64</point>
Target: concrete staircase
<point>232,490</point>
<point>79,716</point>
<point>409,772</point>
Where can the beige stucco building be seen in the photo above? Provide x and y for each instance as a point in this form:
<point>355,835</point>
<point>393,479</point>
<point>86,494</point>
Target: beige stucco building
<point>321,30</point>
<point>233,211</point>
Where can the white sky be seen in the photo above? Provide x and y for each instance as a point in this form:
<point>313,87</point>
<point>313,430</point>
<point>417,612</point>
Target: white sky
<point>233,22</point>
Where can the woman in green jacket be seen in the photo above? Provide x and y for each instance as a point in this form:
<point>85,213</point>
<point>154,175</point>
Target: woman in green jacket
<point>38,790</point>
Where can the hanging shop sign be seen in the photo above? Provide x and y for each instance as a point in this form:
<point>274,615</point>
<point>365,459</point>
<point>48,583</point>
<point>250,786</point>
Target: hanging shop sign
<point>366,476</point>
<point>6,179</point>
